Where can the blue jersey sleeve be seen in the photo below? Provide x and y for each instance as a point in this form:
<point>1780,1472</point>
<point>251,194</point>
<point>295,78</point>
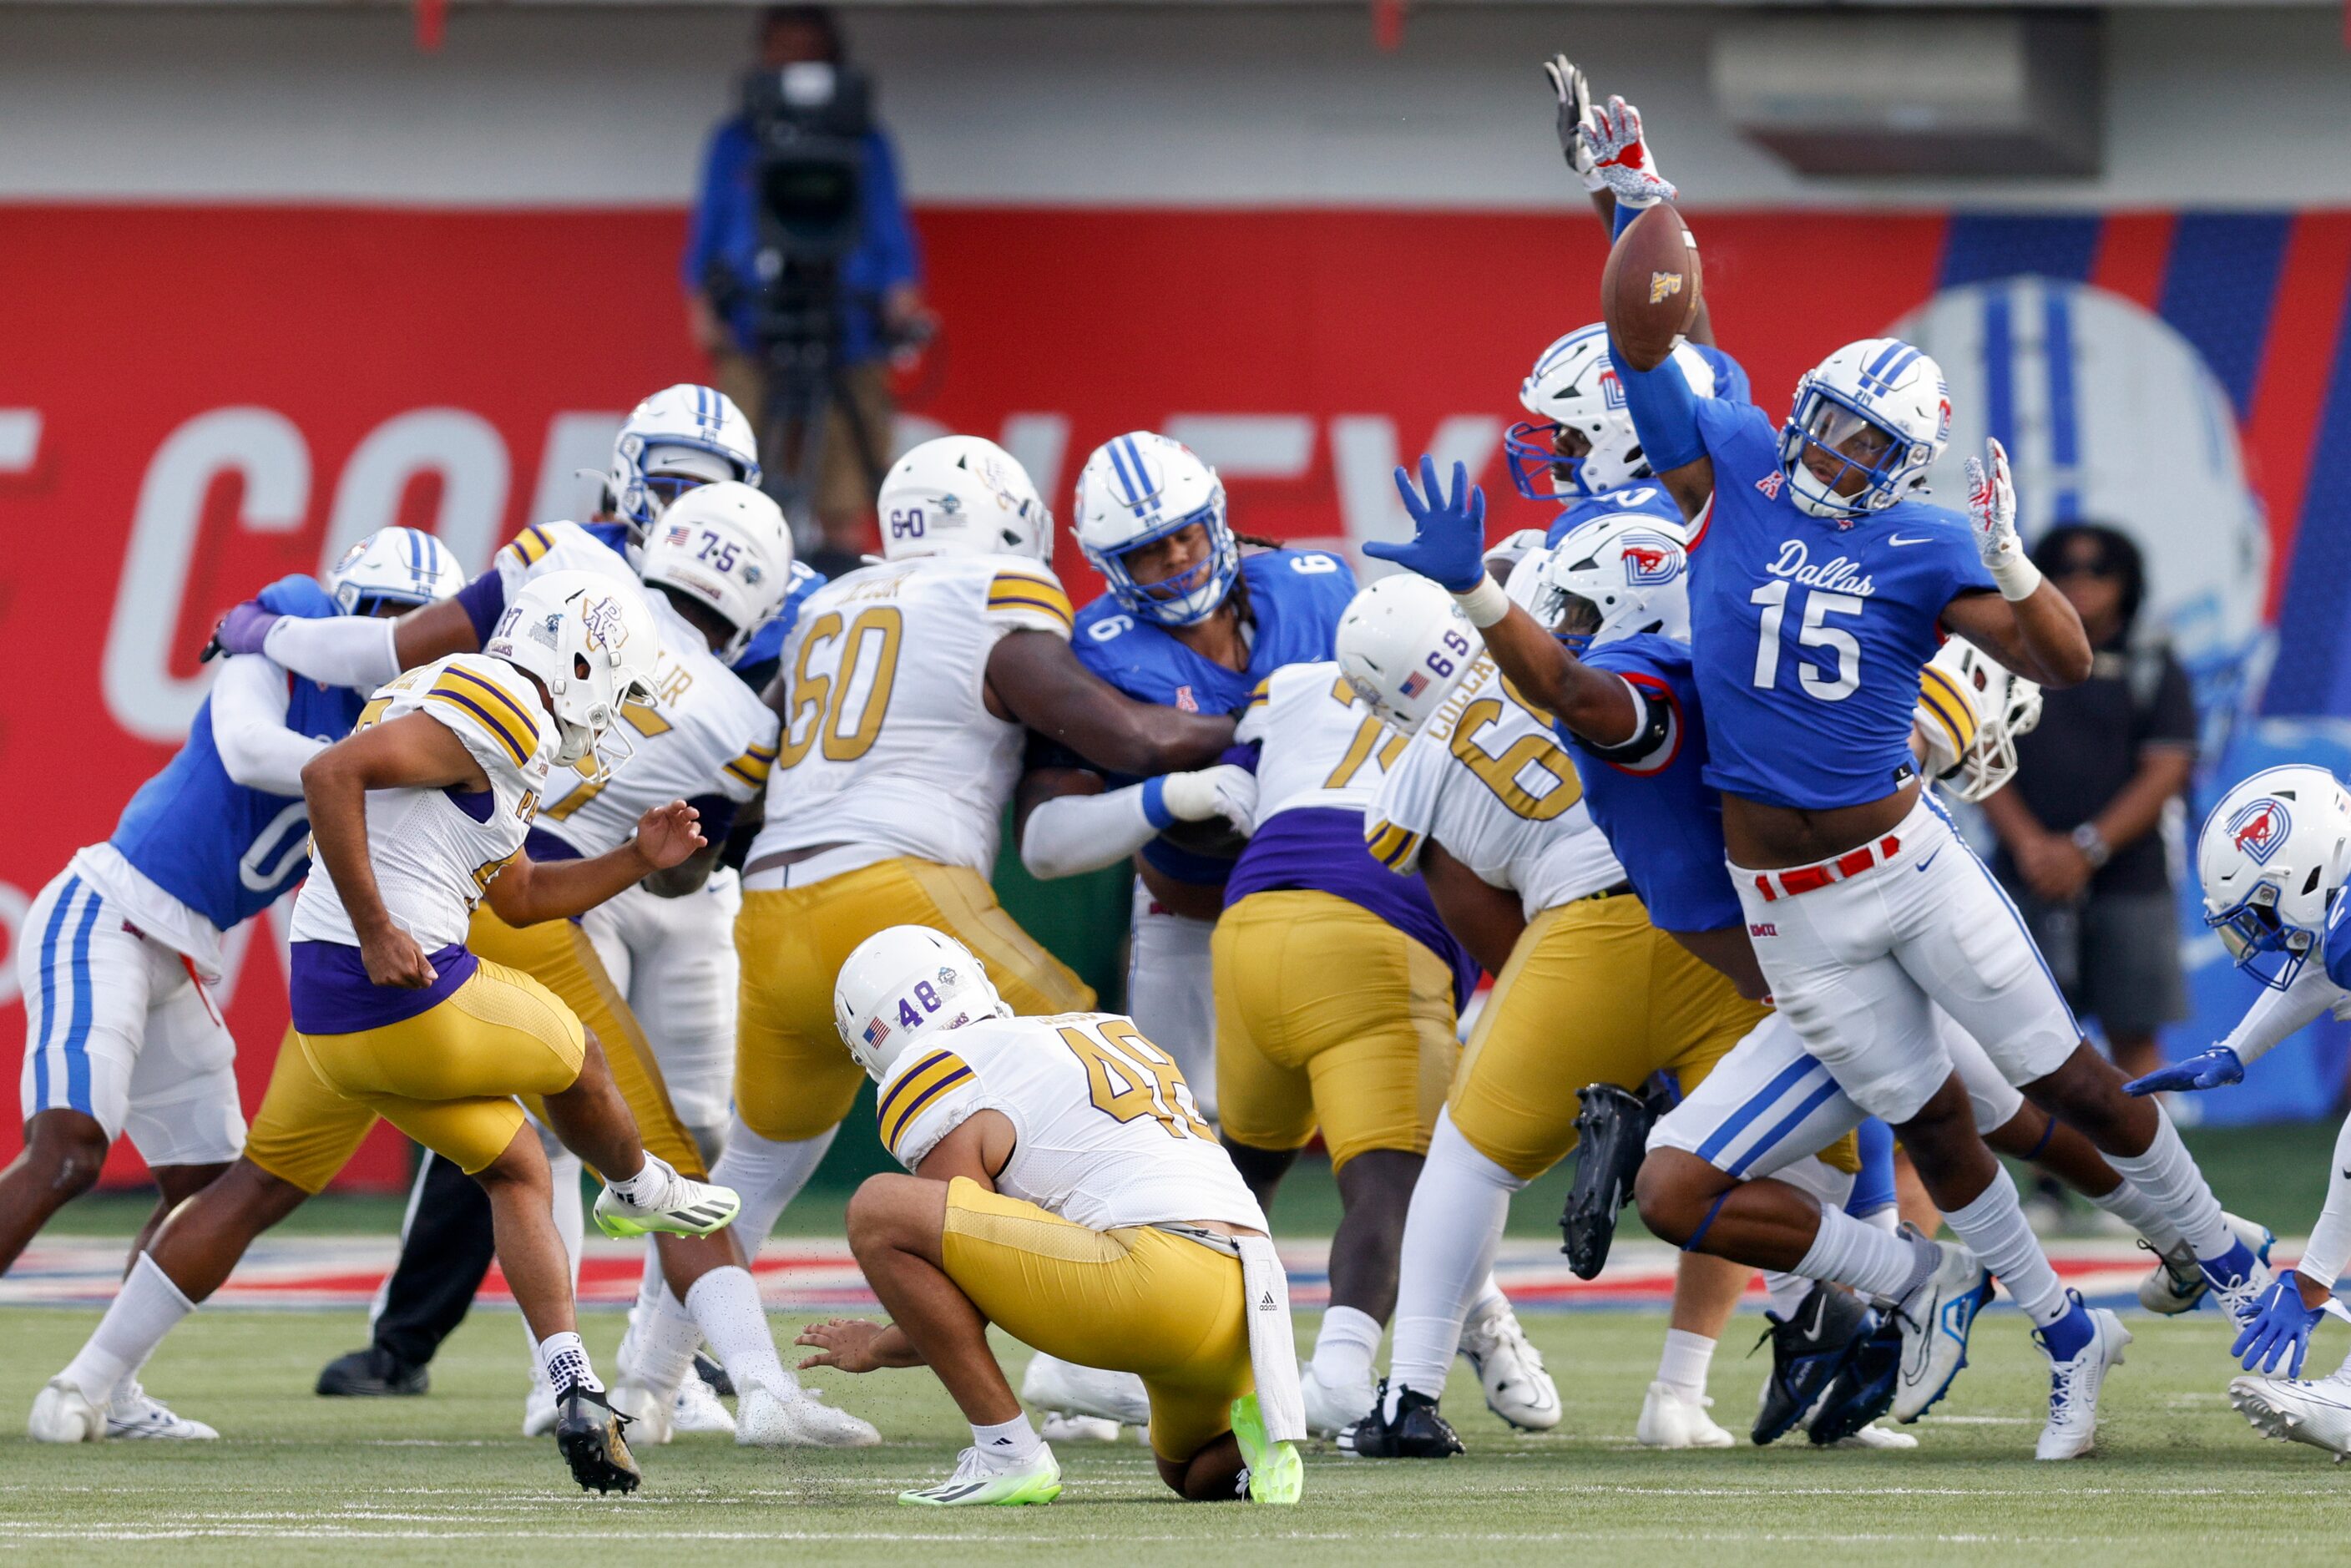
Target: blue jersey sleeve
<point>298,596</point>
<point>1731,383</point>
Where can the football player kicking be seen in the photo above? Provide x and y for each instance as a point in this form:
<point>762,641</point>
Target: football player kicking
<point>2274,857</point>
<point>719,565</point>
<point>122,1035</point>
<point>417,817</point>
<point>1066,1189</point>
<point>905,690</point>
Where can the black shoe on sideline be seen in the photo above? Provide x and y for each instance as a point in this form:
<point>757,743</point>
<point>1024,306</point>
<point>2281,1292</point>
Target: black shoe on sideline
<point>370,1373</point>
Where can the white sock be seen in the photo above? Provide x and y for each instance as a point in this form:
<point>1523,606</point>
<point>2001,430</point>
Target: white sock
<point>1685,1362</point>
<point>1995,1228</point>
<point>658,1350</point>
<point>766,1177</point>
<point>1009,1444</point>
<point>1787,1293</point>
<point>1849,1252</point>
<point>570,1216</point>
<point>1343,1350</point>
<point>566,1360</point>
<point>1450,1232</point>
<point>2135,1209</point>
<point>726,1303</point>
<point>144,1309</point>
<point>2167,1173</point>
<point>648,1185</point>
<point>1488,1293</point>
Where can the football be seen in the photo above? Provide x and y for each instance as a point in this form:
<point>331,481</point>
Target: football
<point>1649,291</point>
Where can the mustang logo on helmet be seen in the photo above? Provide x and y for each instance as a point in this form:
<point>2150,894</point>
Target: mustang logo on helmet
<point>2260,827</point>
<point>1650,559</point>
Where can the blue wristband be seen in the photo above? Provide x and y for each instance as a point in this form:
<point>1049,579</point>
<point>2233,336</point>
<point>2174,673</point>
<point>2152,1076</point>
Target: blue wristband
<point>1154,805</point>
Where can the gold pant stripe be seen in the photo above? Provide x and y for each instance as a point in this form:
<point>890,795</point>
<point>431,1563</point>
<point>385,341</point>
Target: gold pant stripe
<point>1328,1016</point>
<point>793,1078</point>
<point>558,955</point>
<point>1592,994</point>
<point>1170,1311</point>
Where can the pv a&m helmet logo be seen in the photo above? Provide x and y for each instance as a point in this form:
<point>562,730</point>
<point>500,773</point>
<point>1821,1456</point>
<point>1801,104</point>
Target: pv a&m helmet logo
<point>1650,558</point>
<point>607,629</point>
<point>2259,828</point>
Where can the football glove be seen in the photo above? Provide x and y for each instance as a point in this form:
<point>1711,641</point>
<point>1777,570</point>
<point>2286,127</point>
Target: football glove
<point>2282,1327</point>
<point>1449,541</point>
<point>1225,790</point>
<point>241,631</point>
<point>1622,159</point>
<point>1574,95</point>
<point>1991,511</point>
<point>2210,1068</point>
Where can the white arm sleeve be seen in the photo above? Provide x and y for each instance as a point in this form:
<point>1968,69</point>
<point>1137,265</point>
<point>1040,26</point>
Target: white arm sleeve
<point>352,651</point>
<point>1072,834</point>
<point>2276,1015</point>
<point>248,707</point>
<point>2329,1247</point>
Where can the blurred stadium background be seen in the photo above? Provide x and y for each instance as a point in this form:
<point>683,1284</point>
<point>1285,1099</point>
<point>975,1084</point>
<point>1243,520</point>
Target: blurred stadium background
<point>275,274</point>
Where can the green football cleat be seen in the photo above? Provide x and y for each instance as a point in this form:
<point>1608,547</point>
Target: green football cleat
<point>976,1485</point>
<point>677,1205</point>
<point>1275,1474</point>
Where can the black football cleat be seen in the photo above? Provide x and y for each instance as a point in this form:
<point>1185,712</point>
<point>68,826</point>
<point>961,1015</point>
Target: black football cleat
<point>1418,1432</point>
<point>1808,1349</point>
<point>371,1373</point>
<point>1611,1134</point>
<point>588,1431</point>
<point>713,1373</point>
<point>1864,1387</point>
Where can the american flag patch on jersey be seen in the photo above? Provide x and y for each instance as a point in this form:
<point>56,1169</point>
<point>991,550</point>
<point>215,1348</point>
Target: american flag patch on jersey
<point>1415,683</point>
<point>876,1033</point>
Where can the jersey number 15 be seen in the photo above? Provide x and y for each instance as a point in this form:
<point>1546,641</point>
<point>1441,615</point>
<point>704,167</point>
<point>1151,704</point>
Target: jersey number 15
<point>1813,631</point>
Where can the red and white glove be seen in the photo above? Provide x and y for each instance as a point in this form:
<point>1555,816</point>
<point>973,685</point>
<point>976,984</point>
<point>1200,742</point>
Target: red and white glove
<point>1622,159</point>
<point>1992,510</point>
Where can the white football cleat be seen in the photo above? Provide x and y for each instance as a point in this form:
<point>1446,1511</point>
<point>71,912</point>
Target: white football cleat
<point>2176,1284</point>
<point>2073,1389</point>
<point>1066,1388</point>
<point>800,1419</point>
<point>1517,1389</point>
<point>1935,1318</point>
<point>697,1408</point>
<point>649,1413</point>
<point>1331,1411</point>
<point>675,1204</point>
<point>539,1410</point>
<point>1873,1436</point>
<point>1056,1428</point>
<point>62,1413</point>
<point>1670,1420</point>
<point>136,1414</point>
<point>2241,1298</point>
<point>2316,1412</point>
<point>979,1483</point>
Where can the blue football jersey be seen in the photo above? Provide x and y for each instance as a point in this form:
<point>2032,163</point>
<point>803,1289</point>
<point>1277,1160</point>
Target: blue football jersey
<point>767,644</point>
<point>1645,498</point>
<point>1731,385</point>
<point>1809,635</point>
<point>2334,944</point>
<point>1295,598</point>
<point>226,851</point>
<point>1661,817</point>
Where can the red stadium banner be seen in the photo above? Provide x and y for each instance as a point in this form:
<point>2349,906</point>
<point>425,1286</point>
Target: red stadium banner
<point>193,400</point>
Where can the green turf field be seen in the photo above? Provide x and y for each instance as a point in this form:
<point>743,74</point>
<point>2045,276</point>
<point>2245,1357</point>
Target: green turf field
<point>445,1478</point>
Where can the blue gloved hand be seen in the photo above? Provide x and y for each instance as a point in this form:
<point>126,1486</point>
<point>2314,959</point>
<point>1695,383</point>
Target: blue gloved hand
<point>2206,1069</point>
<point>1449,541</point>
<point>2282,1324</point>
<point>241,631</point>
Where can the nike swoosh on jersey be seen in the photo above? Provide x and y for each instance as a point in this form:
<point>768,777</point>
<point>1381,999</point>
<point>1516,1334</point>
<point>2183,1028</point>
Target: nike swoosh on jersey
<point>1898,540</point>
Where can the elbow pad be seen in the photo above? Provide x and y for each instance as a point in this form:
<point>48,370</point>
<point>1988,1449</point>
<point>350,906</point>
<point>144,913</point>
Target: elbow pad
<point>1665,413</point>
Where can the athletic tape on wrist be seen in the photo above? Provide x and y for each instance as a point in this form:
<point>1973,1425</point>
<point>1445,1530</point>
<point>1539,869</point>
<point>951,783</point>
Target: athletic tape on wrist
<point>1485,604</point>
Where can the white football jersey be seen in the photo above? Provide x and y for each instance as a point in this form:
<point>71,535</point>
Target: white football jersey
<point>434,850</point>
<point>1107,1133</point>
<point>1318,744</point>
<point>558,546</point>
<point>1487,777</point>
<point>705,733</point>
<point>887,743</point>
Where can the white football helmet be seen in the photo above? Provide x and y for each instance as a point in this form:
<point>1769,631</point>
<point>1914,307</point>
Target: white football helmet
<point>1137,491</point>
<point>2272,857</point>
<point>1979,702</point>
<point>1404,644</point>
<point>1631,570</point>
<point>399,566</point>
<point>592,643</point>
<point>1574,385</point>
<point>1888,394</point>
<point>901,982</point>
<point>962,494</point>
<point>681,436</point>
<point>729,546</point>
